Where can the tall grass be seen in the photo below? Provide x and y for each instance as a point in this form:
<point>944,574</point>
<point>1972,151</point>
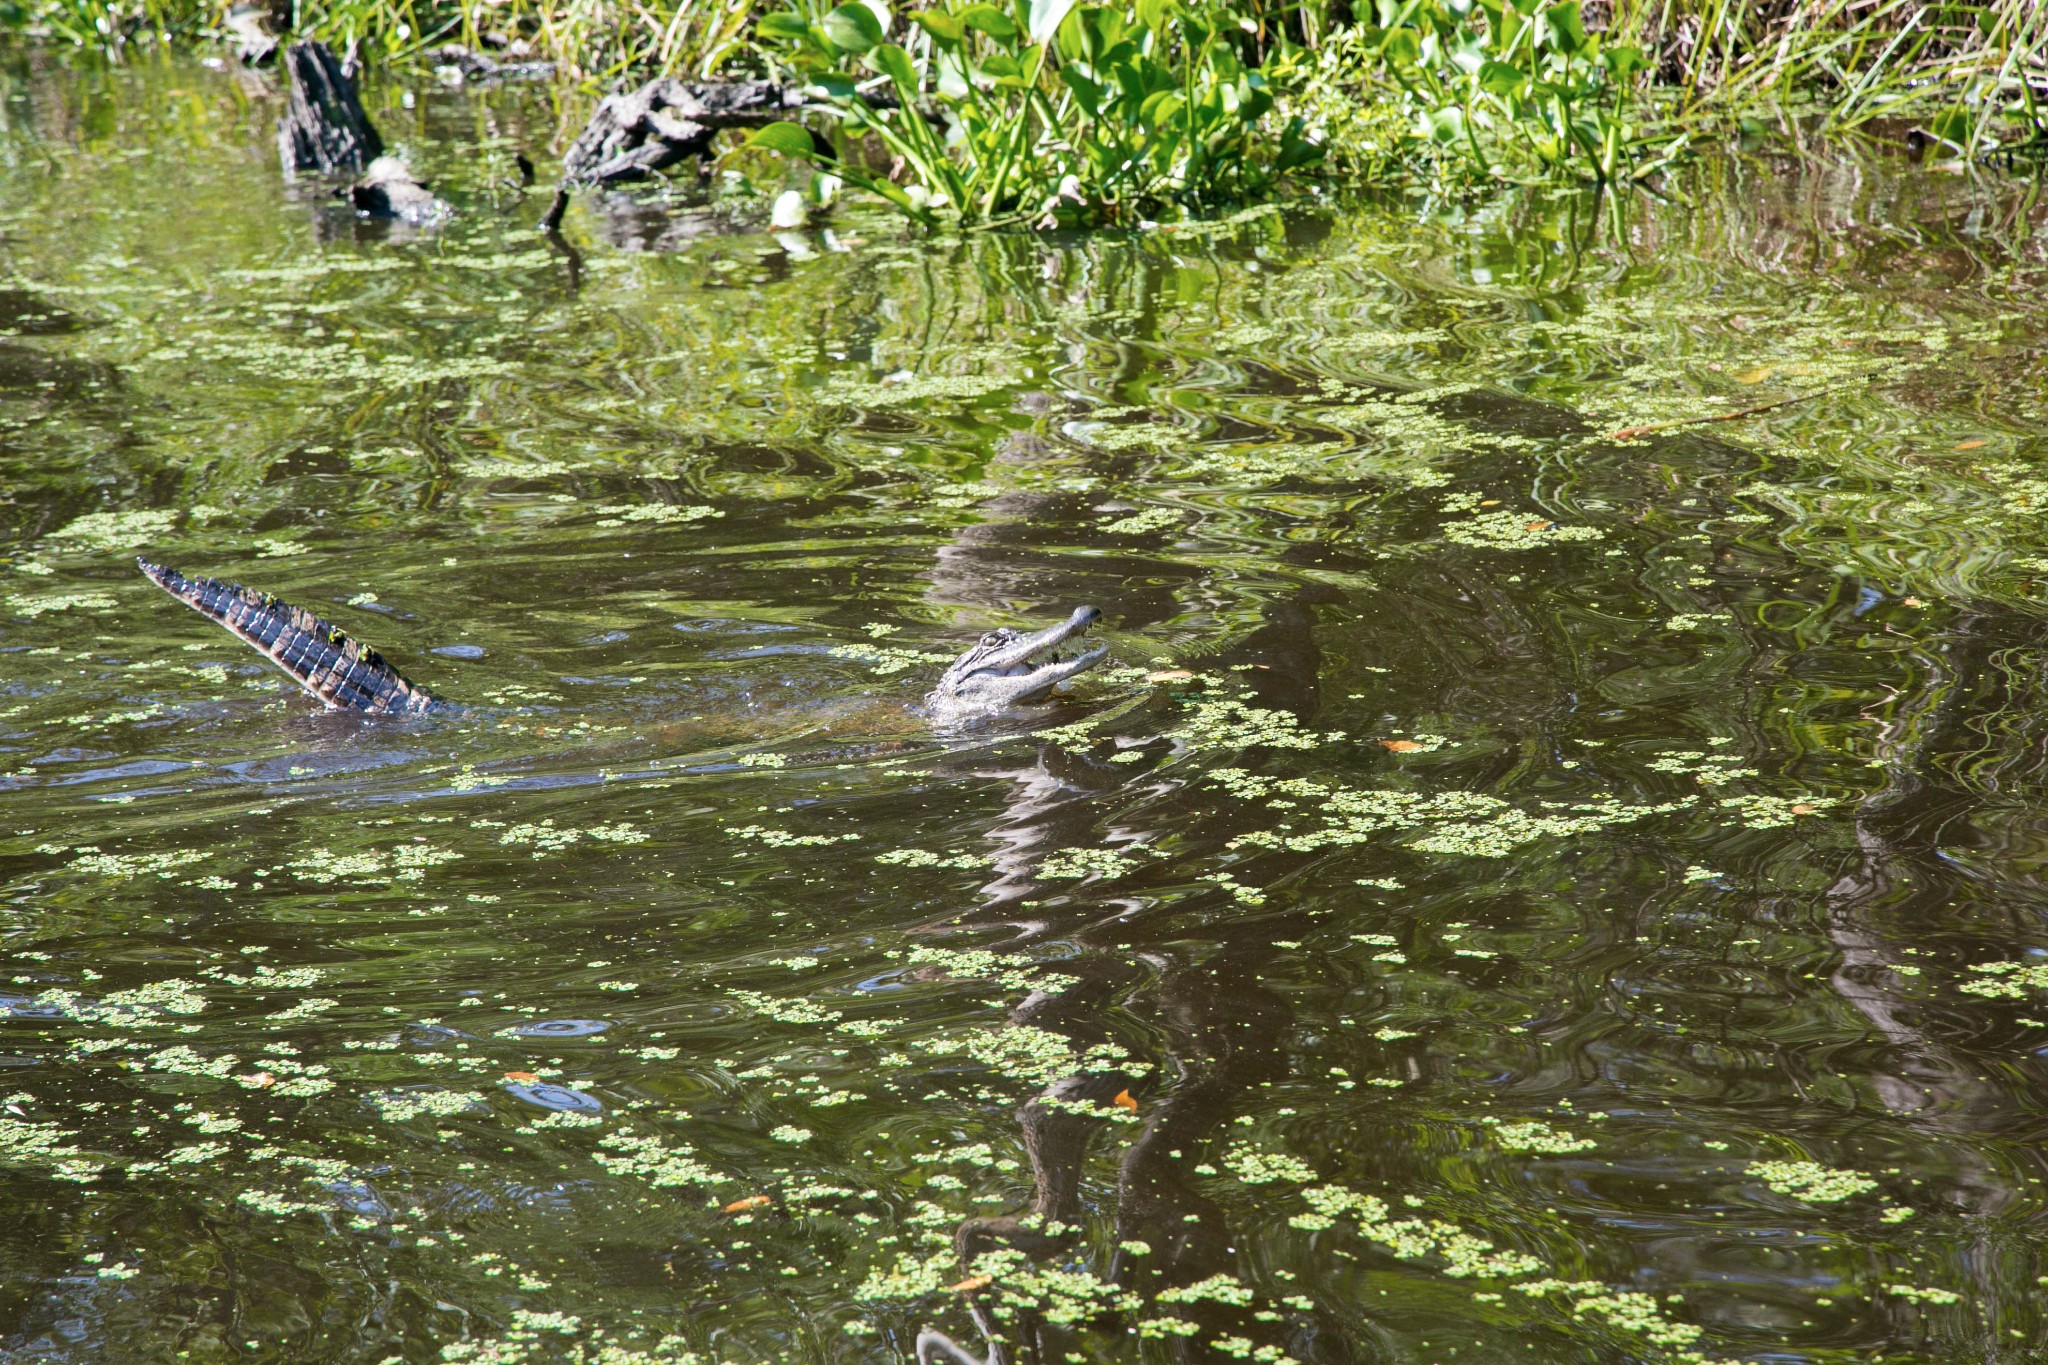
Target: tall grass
<point>1852,61</point>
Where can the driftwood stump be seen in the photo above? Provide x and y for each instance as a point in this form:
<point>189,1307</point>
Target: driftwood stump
<point>633,135</point>
<point>324,127</point>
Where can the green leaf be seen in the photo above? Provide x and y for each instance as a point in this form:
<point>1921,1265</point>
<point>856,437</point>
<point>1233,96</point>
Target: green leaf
<point>990,20</point>
<point>1003,68</point>
<point>1623,61</point>
<point>853,28</point>
<point>1046,18</point>
<point>1161,109</point>
<point>1152,14</point>
<point>1087,92</point>
<point>835,87</point>
<point>946,28</point>
<point>788,139</point>
<point>1562,28</point>
<point>1499,78</point>
<point>893,62</point>
<point>784,28</point>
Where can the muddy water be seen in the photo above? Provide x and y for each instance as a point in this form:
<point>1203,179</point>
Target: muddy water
<point>1517,895</point>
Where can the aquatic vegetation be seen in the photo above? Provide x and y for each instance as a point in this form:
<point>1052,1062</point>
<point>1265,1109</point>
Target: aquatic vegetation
<point>1059,114</point>
<point>2007,980</point>
<point>1811,1181</point>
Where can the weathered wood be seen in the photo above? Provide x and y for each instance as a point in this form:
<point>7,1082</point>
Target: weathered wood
<point>634,134</point>
<point>324,127</point>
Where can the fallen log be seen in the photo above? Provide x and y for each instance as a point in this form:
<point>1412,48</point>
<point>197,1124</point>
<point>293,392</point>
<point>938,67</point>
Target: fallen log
<point>634,134</point>
<point>324,127</point>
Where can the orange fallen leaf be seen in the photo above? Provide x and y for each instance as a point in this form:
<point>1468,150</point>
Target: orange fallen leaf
<point>1802,808</point>
<point>972,1283</point>
<point>258,1080</point>
<point>1536,526</point>
<point>751,1202</point>
<point>1489,502</point>
<point>1168,675</point>
<point>1912,602</point>
<point>1123,1100</point>
<point>1972,444</point>
<point>1400,746</point>
<point>523,1077</point>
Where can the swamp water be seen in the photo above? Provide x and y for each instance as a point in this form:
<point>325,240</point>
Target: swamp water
<point>1516,897</point>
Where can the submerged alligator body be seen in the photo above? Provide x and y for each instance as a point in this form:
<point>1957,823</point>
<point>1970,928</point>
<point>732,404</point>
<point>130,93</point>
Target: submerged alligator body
<point>1005,668</point>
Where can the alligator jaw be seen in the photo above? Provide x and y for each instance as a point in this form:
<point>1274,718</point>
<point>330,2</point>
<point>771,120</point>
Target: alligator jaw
<point>1010,668</point>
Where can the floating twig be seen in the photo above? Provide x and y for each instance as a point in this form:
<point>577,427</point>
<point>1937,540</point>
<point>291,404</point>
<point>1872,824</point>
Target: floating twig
<point>1630,433</point>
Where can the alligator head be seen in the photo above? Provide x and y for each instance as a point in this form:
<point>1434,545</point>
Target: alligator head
<point>1010,668</point>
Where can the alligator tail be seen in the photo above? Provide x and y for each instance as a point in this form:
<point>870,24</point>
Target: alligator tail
<point>343,673</point>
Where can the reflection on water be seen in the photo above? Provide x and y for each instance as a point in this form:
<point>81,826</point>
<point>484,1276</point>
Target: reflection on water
<point>1513,896</point>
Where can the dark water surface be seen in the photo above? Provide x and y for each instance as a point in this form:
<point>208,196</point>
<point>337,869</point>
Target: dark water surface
<point>1518,897</point>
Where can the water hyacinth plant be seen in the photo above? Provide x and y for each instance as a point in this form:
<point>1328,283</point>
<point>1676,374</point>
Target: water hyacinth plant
<point>1044,111</point>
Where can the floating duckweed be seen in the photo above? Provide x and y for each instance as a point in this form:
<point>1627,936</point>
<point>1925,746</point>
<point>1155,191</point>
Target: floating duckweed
<point>2007,980</point>
<point>128,866</point>
<point>1906,1291</point>
<point>782,838</point>
<point>116,531</point>
<point>1256,1167</point>
<point>1012,973</point>
<point>884,660</point>
<point>666,514</point>
<point>1233,723</point>
<point>1224,1289</point>
<point>918,857</point>
<point>30,605</point>
<point>1773,812</point>
<point>1811,1181</point>
<point>1515,531</point>
<point>546,839</point>
<point>1632,1311</point>
<point>1536,1137</point>
<point>1159,1329</point>
<point>644,1157</point>
<point>1085,862</point>
<point>42,1144</point>
<point>785,1011</point>
<point>402,1106</point>
<point>1141,523</point>
<point>1034,1055</point>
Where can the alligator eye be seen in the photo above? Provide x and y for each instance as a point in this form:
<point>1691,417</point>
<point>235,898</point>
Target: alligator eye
<point>991,640</point>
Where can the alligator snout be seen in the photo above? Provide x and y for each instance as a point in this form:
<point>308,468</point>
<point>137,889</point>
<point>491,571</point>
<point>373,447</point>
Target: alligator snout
<point>1011,668</point>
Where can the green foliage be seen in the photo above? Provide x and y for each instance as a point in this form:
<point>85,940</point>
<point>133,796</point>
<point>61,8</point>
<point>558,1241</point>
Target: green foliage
<point>1448,89</point>
<point>1046,111</point>
<point>1061,112</point>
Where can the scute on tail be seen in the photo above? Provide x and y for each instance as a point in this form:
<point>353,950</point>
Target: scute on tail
<point>342,673</point>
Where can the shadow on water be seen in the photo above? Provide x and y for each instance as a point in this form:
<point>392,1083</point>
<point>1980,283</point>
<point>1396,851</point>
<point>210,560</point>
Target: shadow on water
<point>1514,894</point>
